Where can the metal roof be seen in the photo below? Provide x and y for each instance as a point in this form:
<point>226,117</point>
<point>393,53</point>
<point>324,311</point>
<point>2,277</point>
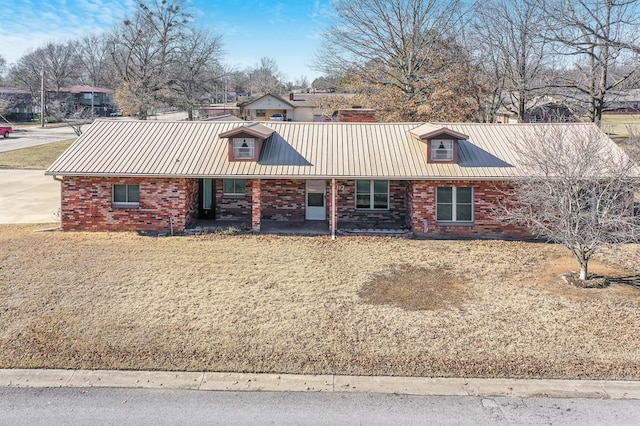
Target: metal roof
<point>309,150</point>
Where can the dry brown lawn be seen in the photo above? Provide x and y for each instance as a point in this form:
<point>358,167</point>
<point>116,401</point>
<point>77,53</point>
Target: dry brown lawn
<point>37,157</point>
<point>357,305</point>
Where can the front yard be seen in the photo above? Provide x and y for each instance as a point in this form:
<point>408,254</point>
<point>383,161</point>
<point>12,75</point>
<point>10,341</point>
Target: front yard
<point>311,305</point>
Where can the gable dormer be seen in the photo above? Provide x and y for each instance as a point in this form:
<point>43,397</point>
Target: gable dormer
<point>245,141</point>
<point>440,143</point>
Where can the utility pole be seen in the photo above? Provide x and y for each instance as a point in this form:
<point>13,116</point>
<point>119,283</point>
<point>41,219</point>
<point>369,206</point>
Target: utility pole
<point>92,96</point>
<point>42,99</point>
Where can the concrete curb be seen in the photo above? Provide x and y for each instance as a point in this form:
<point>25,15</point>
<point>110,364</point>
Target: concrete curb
<point>208,381</point>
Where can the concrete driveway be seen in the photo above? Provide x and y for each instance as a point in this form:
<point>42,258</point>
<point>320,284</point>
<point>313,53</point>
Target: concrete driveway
<point>28,196</point>
<point>32,136</point>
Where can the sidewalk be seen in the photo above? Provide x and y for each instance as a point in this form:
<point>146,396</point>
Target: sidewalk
<point>205,381</point>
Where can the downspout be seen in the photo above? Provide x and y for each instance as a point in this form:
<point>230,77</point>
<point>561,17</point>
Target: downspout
<point>333,209</point>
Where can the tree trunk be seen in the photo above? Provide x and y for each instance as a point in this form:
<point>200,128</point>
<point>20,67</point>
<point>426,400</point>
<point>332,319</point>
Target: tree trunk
<point>583,270</point>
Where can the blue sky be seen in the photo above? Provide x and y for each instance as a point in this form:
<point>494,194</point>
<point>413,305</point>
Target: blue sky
<point>287,31</point>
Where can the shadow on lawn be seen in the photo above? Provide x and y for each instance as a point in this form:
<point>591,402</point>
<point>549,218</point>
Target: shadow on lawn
<point>632,280</point>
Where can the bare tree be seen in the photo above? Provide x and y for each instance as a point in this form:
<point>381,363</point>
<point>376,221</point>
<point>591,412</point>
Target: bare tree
<point>197,69</point>
<point>94,60</point>
<point>509,37</point>
<point>402,50</point>
<point>265,77</point>
<point>302,83</point>
<point>579,191</point>
<point>597,36</point>
<point>57,60</point>
<point>143,49</point>
<point>3,68</point>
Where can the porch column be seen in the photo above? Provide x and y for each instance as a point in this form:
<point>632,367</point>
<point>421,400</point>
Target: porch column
<point>256,204</point>
<point>334,216</point>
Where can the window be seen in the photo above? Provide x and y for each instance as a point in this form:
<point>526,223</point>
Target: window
<point>372,194</point>
<point>243,147</point>
<point>234,186</point>
<point>126,195</point>
<point>261,113</point>
<point>454,204</point>
<point>442,150</point>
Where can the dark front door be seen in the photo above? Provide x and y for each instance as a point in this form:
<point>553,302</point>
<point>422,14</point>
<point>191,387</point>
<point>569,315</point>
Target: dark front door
<point>207,199</point>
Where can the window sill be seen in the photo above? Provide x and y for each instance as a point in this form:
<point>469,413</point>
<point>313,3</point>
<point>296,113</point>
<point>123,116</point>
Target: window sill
<point>131,206</point>
<point>359,209</point>
<point>454,224</point>
<point>234,195</point>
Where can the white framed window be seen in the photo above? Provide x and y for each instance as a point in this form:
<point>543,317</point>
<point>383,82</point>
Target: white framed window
<point>234,186</point>
<point>454,204</point>
<point>126,195</point>
<point>442,149</point>
<point>244,147</point>
<point>372,194</point>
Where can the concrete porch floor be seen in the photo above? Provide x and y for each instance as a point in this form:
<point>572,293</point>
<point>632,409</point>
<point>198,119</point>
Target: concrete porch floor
<point>311,227</point>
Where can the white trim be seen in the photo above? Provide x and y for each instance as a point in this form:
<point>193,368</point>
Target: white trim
<point>312,186</point>
<point>454,204</point>
<point>236,194</point>
<point>240,151</point>
<point>372,195</point>
<point>127,203</point>
<point>441,149</point>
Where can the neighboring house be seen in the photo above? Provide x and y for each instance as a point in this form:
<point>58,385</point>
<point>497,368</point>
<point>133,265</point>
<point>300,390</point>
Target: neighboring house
<point>302,107</point>
<point>538,110</point>
<point>623,103</point>
<point>223,117</point>
<point>310,106</point>
<point>80,99</point>
<point>438,180</point>
<point>266,106</point>
<point>16,104</point>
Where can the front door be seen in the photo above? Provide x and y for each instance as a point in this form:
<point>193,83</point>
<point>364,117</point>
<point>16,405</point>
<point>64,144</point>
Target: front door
<point>316,207</point>
<point>207,199</point>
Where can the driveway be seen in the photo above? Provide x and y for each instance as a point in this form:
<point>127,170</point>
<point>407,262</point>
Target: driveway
<point>28,196</point>
<point>32,136</point>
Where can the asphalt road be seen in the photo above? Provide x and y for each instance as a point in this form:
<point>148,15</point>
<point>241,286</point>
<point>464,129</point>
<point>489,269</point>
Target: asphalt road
<point>33,136</point>
<point>53,406</point>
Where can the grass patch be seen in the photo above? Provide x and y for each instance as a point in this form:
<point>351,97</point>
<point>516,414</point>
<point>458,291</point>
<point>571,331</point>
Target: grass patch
<point>617,126</point>
<point>37,157</point>
<point>356,305</point>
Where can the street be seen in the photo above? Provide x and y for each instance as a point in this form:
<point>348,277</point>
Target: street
<point>24,137</point>
<point>52,406</point>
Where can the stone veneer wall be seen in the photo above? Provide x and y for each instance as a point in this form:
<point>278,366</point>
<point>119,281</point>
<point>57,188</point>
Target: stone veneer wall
<point>346,204</point>
<point>421,199</point>
<point>233,206</point>
<point>87,204</point>
<point>283,199</point>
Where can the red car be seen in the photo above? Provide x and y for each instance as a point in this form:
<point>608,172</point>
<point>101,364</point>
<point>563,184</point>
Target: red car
<point>4,131</point>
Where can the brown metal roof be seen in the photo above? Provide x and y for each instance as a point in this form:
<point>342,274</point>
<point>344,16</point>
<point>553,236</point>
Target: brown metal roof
<point>324,150</point>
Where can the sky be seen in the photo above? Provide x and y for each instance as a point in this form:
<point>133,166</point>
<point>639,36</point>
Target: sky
<point>288,31</point>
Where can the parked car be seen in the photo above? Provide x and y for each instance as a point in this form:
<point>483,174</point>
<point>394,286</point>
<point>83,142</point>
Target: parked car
<point>5,130</point>
<point>276,117</point>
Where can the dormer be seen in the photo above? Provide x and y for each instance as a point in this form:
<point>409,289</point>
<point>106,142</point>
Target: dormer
<point>441,143</point>
<point>245,141</point>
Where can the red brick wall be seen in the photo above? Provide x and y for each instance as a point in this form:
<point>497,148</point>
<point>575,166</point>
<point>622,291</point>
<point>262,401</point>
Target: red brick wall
<point>346,203</point>
<point>357,115</point>
<point>283,199</point>
<point>87,204</point>
<point>421,199</point>
<point>233,206</point>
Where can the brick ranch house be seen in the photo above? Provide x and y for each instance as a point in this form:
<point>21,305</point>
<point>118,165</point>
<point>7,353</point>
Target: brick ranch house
<point>439,180</point>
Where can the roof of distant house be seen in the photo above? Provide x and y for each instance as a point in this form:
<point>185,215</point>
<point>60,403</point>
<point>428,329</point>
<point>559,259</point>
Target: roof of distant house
<point>85,89</point>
